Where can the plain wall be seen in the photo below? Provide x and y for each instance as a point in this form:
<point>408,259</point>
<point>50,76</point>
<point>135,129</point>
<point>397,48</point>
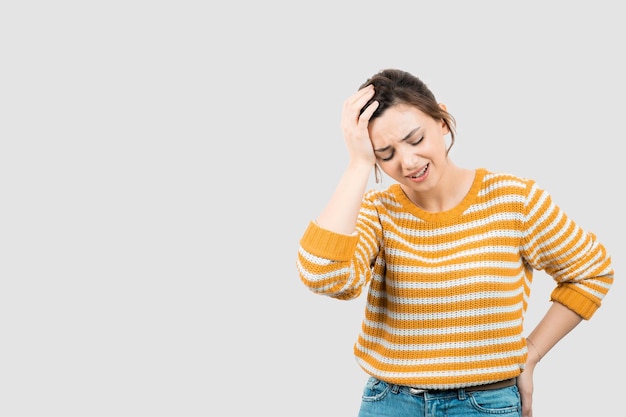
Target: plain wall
<point>159,162</point>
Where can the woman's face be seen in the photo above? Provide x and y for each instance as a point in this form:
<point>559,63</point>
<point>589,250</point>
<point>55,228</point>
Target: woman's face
<point>410,146</point>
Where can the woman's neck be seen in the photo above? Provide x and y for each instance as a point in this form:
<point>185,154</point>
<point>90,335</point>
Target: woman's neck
<point>451,189</point>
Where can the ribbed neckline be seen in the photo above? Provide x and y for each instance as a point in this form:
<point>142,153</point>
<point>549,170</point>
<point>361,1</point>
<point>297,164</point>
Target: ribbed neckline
<point>441,216</point>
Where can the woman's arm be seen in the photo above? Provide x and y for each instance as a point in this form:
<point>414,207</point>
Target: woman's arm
<point>341,212</point>
<point>558,322</point>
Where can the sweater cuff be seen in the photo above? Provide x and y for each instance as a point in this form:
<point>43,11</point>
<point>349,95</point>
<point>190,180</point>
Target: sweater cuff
<point>575,300</point>
<point>327,244</point>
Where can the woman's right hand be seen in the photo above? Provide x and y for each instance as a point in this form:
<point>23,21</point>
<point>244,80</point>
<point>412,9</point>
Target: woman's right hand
<point>354,125</point>
<point>341,213</point>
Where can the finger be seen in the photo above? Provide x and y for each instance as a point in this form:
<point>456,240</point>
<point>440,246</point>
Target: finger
<point>527,406</point>
<point>367,113</point>
<point>366,91</point>
<point>358,99</point>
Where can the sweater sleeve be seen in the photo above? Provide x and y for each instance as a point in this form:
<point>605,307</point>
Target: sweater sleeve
<point>576,260</point>
<point>337,265</point>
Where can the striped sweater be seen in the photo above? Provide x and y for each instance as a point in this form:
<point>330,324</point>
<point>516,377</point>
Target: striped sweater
<point>448,291</point>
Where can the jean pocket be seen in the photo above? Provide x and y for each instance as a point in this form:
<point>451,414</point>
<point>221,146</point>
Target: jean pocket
<point>503,401</point>
<point>375,389</point>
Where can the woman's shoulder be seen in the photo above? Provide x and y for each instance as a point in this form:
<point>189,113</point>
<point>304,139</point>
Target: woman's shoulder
<point>388,194</point>
<point>496,184</point>
<point>503,177</point>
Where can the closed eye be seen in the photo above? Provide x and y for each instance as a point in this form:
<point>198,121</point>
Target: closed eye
<point>388,158</point>
<point>404,139</point>
<point>387,150</point>
<point>417,142</point>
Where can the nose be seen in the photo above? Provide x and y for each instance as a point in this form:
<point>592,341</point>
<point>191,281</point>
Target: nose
<point>410,161</point>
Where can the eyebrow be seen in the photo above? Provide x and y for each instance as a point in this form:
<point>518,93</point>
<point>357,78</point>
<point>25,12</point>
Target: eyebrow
<point>411,133</point>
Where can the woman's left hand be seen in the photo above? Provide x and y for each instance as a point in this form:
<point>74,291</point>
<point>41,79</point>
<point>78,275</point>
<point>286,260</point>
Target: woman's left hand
<point>525,387</point>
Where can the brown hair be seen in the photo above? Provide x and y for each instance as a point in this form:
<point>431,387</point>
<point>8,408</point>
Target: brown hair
<point>394,86</point>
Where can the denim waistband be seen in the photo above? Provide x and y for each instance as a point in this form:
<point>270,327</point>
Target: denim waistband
<point>484,387</point>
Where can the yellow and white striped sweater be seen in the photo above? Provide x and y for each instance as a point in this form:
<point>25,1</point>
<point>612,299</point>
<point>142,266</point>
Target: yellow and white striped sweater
<point>448,291</point>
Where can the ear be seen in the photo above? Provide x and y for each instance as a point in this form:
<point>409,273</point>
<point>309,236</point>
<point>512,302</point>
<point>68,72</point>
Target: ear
<point>443,124</point>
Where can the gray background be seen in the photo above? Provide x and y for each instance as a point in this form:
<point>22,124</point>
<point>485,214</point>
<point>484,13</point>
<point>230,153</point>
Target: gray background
<point>160,160</point>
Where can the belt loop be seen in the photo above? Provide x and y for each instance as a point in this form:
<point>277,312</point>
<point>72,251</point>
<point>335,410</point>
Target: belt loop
<point>461,394</point>
<point>395,388</point>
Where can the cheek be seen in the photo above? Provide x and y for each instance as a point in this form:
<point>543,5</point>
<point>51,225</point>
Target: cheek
<point>436,148</point>
<point>391,168</point>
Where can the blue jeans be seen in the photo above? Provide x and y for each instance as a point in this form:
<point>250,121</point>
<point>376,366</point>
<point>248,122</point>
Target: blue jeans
<point>383,399</point>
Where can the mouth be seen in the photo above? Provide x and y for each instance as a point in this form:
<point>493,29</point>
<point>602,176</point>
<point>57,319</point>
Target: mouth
<point>419,173</point>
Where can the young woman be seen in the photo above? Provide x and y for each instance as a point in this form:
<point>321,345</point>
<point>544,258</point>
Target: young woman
<point>447,255</point>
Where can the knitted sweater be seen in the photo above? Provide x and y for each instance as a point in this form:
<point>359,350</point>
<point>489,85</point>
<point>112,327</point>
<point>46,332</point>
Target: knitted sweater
<point>448,291</point>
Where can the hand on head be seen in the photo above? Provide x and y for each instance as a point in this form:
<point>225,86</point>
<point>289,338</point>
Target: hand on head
<point>354,125</point>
